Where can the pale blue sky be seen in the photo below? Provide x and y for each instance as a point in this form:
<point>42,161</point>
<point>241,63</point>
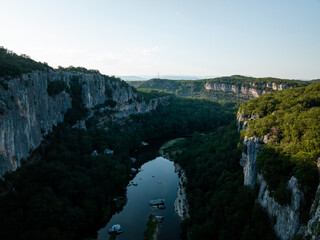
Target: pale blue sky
<point>279,38</point>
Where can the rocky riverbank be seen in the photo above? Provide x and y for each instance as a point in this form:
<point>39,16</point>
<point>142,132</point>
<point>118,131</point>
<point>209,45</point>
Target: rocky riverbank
<point>168,150</point>
<point>181,204</point>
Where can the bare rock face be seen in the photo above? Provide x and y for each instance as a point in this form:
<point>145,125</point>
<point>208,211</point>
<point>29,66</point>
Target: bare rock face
<point>251,91</point>
<point>248,91</point>
<point>181,204</point>
<point>28,113</point>
<point>249,160</point>
<point>97,90</point>
<point>243,120</point>
<point>313,226</point>
<point>287,218</point>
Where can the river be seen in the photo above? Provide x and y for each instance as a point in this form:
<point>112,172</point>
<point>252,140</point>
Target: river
<point>156,179</point>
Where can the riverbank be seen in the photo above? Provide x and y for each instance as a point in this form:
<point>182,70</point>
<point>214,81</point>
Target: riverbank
<point>152,231</point>
<point>181,205</point>
<point>170,148</point>
<point>169,151</point>
<point>157,179</point>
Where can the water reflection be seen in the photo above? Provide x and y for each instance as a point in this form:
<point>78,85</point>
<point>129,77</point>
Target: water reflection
<point>157,179</point>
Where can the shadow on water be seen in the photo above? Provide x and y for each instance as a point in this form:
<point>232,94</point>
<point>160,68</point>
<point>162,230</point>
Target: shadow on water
<point>156,179</point>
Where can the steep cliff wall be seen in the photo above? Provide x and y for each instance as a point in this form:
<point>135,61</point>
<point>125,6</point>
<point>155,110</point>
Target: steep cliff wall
<point>181,204</point>
<point>285,218</point>
<point>313,226</point>
<point>251,91</point>
<point>28,112</point>
<point>249,160</point>
<point>97,89</point>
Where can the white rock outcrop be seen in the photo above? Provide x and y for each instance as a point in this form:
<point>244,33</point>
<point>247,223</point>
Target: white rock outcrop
<point>250,90</point>
<point>249,160</point>
<point>286,218</point>
<point>313,226</point>
<point>181,204</point>
<point>28,113</point>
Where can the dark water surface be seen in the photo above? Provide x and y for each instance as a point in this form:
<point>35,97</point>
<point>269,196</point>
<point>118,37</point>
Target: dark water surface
<point>156,180</point>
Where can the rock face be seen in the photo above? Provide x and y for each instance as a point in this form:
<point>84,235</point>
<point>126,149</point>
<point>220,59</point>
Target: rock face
<point>287,218</point>
<point>96,89</point>
<point>140,107</point>
<point>249,160</point>
<point>181,204</point>
<point>251,91</point>
<point>27,112</point>
<point>242,120</point>
<point>313,226</point>
<point>126,109</point>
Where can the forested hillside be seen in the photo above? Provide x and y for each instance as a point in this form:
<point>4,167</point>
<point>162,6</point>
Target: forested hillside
<point>288,123</point>
<point>290,120</point>
<point>233,88</point>
<point>220,206</point>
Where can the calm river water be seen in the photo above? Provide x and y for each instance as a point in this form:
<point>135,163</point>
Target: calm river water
<point>157,179</point>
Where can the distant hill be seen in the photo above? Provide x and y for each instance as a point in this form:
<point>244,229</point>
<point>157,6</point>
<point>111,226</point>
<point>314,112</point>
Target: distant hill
<point>171,77</point>
<point>232,88</point>
<point>133,78</point>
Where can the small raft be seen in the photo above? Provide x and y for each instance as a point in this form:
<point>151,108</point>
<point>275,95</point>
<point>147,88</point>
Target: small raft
<point>115,229</point>
<point>156,202</point>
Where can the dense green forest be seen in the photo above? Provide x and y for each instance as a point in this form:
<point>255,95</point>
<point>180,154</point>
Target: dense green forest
<point>196,88</point>
<point>290,119</point>
<point>220,206</point>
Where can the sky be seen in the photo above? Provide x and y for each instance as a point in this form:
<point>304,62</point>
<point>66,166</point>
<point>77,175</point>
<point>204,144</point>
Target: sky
<point>261,38</point>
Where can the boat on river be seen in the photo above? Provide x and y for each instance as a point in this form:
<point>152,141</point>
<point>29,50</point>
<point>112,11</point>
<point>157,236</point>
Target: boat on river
<point>157,202</point>
<point>115,229</point>
<point>159,218</point>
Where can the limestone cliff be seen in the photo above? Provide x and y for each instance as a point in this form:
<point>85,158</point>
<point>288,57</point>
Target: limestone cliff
<point>251,91</point>
<point>28,112</point>
<point>313,226</point>
<point>285,219</point>
<point>181,204</point>
<point>97,89</point>
<point>249,160</point>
